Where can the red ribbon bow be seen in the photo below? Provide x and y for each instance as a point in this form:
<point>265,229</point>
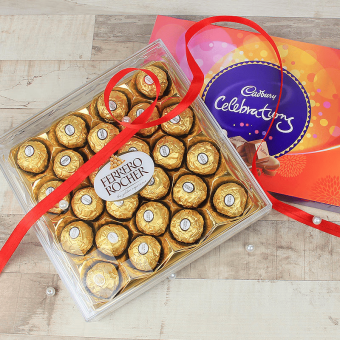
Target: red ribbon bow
<point>141,123</point>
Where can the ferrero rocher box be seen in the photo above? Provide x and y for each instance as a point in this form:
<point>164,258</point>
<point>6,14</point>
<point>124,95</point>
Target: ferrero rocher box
<point>170,194</point>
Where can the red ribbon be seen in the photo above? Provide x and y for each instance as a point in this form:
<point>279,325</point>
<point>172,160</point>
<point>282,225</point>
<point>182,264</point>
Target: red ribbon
<point>142,122</point>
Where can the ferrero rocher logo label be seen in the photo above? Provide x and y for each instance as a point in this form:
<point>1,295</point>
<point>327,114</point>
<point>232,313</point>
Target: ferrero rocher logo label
<point>125,180</point>
<point>229,200</point>
<point>29,150</point>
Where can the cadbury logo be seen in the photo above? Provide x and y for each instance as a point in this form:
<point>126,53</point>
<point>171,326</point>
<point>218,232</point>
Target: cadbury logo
<point>284,125</point>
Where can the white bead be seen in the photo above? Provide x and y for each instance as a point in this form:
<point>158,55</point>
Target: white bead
<point>317,220</point>
<point>63,204</point>
<point>50,291</point>
<point>172,276</point>
<point>250,248</point>
<point>126,119</point>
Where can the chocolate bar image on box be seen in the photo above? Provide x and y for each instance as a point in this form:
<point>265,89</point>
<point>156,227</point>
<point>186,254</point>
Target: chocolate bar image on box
<point>239,144</point>
<point>247,150</point>
<point>262,154</point>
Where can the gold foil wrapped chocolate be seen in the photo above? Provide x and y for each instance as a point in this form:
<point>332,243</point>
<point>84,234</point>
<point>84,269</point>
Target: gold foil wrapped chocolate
<point>77,238</point>
<point>123,209</point>
<point>46,189</point>
<point>230,199</point>
<point>144,253</point>
<point>137,110</point>
<point>135,144</point>
<point>66,163</point>
<point>100,135</point>
<point>33,157</point>
<point>102,279</point>
<point>145,83</point>
<point>158,185</point>
<point>71,132</point>
<point>93,176</point>
<point>152,218</point>
<point>86,204</point>
<point>190,191</point>
<point>187,226</point>
<point>118,105</point>
<point>112,239</point>
<point>203,158</point>
<point>180,124</point>
<point>169,152</point>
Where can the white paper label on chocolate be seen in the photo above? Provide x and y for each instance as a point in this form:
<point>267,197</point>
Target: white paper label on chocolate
<point>188,187</point>
<point>125,180</point>
<point>119,203</point>
<point>148,215</point>
<point>185,224</point>
<point>86,199</point>
<point>229,200</point>
<point>139,112</point>
<point>202,158</point>
<point>112,237</point>
<point>49,190</point>
<point>99,279</point>
<point>175,120</point>
<point>65,160</point>
<point>152,182</point>
<point>63,204</point>
<point>74,232</point>
<point>69,129</point>
<point>148,80</point>
<point>143,248</point>
<point>164,151</point>
<point>102,134</point>
<point>112,105</point>
<point>29,150</point>
<point>132,148</point>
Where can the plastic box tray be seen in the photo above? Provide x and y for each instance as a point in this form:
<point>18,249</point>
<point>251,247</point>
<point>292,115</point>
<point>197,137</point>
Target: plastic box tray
<point>82,97</point>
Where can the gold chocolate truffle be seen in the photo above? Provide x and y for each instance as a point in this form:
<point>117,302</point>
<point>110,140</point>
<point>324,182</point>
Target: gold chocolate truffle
<point>203,158</point>
<point>230,199</point>
<point>152,218</point>
<point>46,189</point>
<point>137,110</point>
<point>187,226</point>
<point>190,191</point>
<point>112,239</point>
<point>144,252</point>
<point>86,204</point>
<point>118,105</point>
<point>71,132</point>
<point>32,157</point>
<point>158,185</point>
<point>100,135</point>
<point>102,279</point>
<point>135,144</point>
<point>77,238</point>
<point>123,209</point>
<point>169,152</point>
<point>93,176</point>
<point>146,85</point>
<point>180,124</point>
<point>66,163</point>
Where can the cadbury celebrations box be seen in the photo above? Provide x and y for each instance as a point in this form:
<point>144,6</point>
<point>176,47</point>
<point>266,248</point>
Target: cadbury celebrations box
<point>169,195</point>
<point>242,81</point>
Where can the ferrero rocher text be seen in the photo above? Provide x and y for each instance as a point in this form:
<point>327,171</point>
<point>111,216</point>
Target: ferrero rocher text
<point>124,176</point>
